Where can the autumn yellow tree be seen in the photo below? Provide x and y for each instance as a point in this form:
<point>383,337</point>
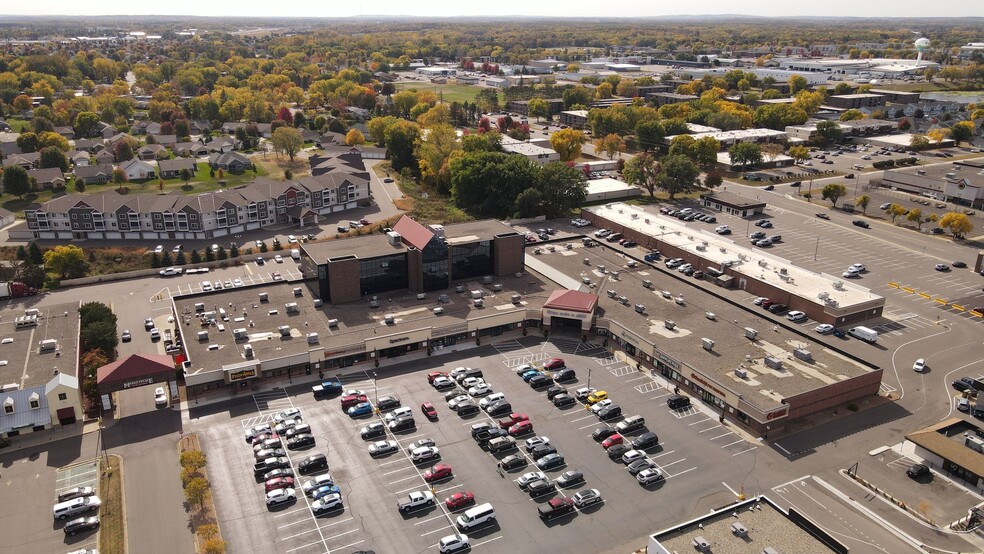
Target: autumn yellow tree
<point>612,145</point>
<point>354,138</point>
<point>958,224</point>
<point>937,135</point>
<point>567,143</point>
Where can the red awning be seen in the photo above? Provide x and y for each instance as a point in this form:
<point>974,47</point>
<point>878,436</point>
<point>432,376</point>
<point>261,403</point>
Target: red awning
<point>572,300</point>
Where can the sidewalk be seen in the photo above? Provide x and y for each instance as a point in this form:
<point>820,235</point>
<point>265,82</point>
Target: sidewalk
<point>43,438</point>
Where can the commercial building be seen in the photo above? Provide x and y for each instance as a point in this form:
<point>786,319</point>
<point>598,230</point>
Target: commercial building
<point>733,204</point>
<point>961,182</point>
<point>954,446</point>
<point>554,106</point>
<point>664,98</point>
<point>854,101</point>
<point>609,189</point>
<point>413,257</point>
<point>727,355</point>
<point>823,297</point>
<point>754,525</point>
<point>530,150</point>
<point>39,383</point>
<point>432,72</point>
<point>577,119</point>
<point>727,139</point>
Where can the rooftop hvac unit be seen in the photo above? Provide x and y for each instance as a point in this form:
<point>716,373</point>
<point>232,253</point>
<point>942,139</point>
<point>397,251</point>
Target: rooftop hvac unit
<point>291,308</point>
<point>516,299</point>
<point>783,271</point>
<point>394,238</point>
<point>437,230</point>
<point>444,299</point>
<point>615,275</point>
<point>639,308</point>
<point>248,351</point>
<point>477,294</point>
<point>284,330</point>
<point>421,296</point>
<point>264,297</point>
<point>773,363</point>
<point>239,333</point>
<point>312,338</point>
<point>701,247</point>
<point>497,288</point>
<point>635,216</point>
<point>707,343</point>
<point>624,300</point>
<point>298,291</point>
<point>611,293</point>
<point>317,303</point>
<point>459,288</point>
<point>631,263</point>
<point>647,284</point>
<point>669,324</point>
<point>389,319</point>
<point>739,530</point>
<point>332,323</point>
<point>203,335</point>
<point>701,544</point>
<point>803,354</point>
<point>487,280</point>
<point>374,303</point>
<point>839,285</point>
<point>478,302</point>
<point>587,261</point>
<point>751,333</point>
<point>438,310</point>
<point>763,263</point>
<point>601,268</point>
<point>823,296</point>
<point>741,373</point>
<point>647,220</point>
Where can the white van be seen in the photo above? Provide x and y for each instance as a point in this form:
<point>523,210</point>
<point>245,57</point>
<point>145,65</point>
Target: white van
<point>295,253</point>
<point>476,516</point>
<point>866,334</point>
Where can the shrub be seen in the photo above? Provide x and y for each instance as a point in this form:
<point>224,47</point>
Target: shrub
<point>852,406</point>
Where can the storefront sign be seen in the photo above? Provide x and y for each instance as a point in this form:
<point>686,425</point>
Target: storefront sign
<point>399,339</point>
<point>138,382</point>
<point>659,355</point>
<point>695,377</point>
<point>776,414</point>
<point>242,374</point>
<point>580,316</point>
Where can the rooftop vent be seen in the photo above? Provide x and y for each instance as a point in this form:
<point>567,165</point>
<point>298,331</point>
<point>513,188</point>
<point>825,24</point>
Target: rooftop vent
<point>773,363</point>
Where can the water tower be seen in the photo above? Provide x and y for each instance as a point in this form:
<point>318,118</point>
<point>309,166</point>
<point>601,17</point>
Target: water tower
<point>921,45</point>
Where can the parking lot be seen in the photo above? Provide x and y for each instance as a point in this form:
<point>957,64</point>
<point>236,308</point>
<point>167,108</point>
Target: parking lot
<point>936,497</point>
<point>692,445</point>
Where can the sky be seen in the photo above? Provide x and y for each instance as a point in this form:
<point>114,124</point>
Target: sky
<point>554,8</point>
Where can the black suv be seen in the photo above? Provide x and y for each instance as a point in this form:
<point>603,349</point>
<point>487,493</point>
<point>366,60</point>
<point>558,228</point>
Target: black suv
<point>388,402</point>
<point>467,408</point>
<point>554,391</point>
<point>610,412</point>
<point>313,463</point>
<point>861,223</point>
<point>645,440</point>
<point>540,381</point>
<point>678,402</point>
<point>565,374</point>
<point>498,408</point>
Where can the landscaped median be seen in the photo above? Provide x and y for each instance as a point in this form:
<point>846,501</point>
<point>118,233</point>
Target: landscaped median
<point>198,494</point>
<point>112,517</point>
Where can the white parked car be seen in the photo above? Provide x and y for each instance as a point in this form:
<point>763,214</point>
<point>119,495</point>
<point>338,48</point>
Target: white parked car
<point>278,258</point>
<point>442,382</point>
<point>312,485</point>
<point>480,389</point>
<point>159,249</point>
<point>490,399</point>
<point>533,442</point>
<point>170,271</point>
<point>584,392</point>
<point>824,328</point>
<point>601,405</point>
<point>470,382</point>
<point>326,503</point>
<point>796,316</point>
<point>452,543</point>
<point>919,366</point>
<point>290,413</point>
<point>291,239</point>
<point>424,453</point>
<point>521,369</point>
<point>851,274</point>
<point>453,403</point>
<point>160,397</point>
<point>649,476</point>
<point>280,496</point>
<point>858,267</point>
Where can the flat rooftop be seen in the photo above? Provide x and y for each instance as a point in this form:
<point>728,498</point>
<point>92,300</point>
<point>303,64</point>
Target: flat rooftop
<point>21,361</point>
<point>757,263</point>
<point>765,523</point>
<point>764,387</point>
<point>965,170</point>
<point>724,136</point>
<point>356,321</point>
<point>366,246</point>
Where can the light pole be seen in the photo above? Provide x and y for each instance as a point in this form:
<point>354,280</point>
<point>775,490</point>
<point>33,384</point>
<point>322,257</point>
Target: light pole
<point>817,250</point>
<point>857,180</point>
<point>375,391</point>
<point>589,376</point>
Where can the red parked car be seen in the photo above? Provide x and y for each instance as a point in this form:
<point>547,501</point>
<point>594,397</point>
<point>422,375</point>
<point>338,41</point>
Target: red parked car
<point>434,375</point>
<point>513,419</point>
<point>428,410</point>
<point>267,435</point>
<point>279,483</point>
<point>521,428</point>
<point>352,399</point>
<point>611,441</point>
<point>554,363</point>
<point>439,471</point>
<point>459,499</point>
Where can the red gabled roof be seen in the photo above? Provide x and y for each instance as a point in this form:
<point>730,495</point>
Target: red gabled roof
<point>572,300</point>
<point>413,233</point>
<point>134,367</point>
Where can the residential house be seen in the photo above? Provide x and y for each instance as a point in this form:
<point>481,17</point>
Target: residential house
<point>171,169</point>
<point>105,157</point>
<point>308,135</point>
<point>330,138</point>
<point>199,126</point>
<point>94,174</point>
<point>110,215</point>
<point>533,152</point>
<point>105,130</point>
<point>89,145</point>
<point>27,161</point>
<point>222,144</point>
<point>138,170</point>
<point>366,151</point>
<point>113,139</point>
<point>151,151</point>
<point>47,178</point>
<point>187,149</point>
<point>66,132</point>
<point>139,128</point>
<point>76,157</point>
<point>165,140</point>
<point>347,162</point>
<point>265,129</point>
<point>360,114</point>
<point>230,161</point>
<point>230,126</point>
<point>9,148</point>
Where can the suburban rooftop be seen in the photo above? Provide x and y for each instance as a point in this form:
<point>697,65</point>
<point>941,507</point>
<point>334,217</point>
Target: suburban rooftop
<point>22,363</point>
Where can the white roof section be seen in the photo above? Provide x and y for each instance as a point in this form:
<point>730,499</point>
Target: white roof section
<point>821,288</point>
<point>606,185</point>
<point>725,158</point>
<point>695,128</point>
<point>738,135</point>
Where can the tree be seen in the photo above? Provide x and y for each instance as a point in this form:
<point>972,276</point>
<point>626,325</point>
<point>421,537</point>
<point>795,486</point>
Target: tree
<point>86,124</point>
<point>196,258</point>
<point>68,261</point>
<point>34,254</point>
<point>797,83</point>
<point>354,138</point>
<point>915,216</point>
<point>713,179</point>
<point>193,459</point>
<point>862,202</point>
<point>185,175</point>
<point>28,142</point>
<point>287,140</point>
<point>433,152</point>
<point>706,150</point>
<point>851,115</point>
<point>214,545</point>
<point>401,137</point>
<point>919,142</point>
<point>288,175</point>
<point>643,170</point>
<point>649,134</point>
<point>833,192</point>
<point>745,153</point>
<point>937,135</point>
<point>772,150</point>
<point>52,156</point>
<point>958,224</point>
<point>678,175</point>
<point>196,490</point>
<point>538,107</point>
<point>828,132</point>
<point>904,124</point>
<point>962,131</point>
<point>120,177</point>
<point>895,210</point>
<point>567,143</point>
<point>798,153</point>
<point>16,181</point>
<point>561,187</point>
<point>611,145</point>
<point>122,151</point>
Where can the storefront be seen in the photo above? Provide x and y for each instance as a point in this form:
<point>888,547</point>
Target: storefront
<point>569,309</point>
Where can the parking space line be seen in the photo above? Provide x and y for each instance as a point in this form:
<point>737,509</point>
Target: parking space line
<point>441,516</point>
<point>663,454</point>
<point>397,470</point>
<point>668,476</point>
<point>438,530</point>
<point>743,451</point>
<point>699,421</point>
<point>285,514</point>
<point>710,428</point>
<point>724,435</point>
<point>305,520</point>
<point>305,546</point>
<point>736,442</point>
<point>342,534</point>
<point>348,545</point>
<point>402,480</point>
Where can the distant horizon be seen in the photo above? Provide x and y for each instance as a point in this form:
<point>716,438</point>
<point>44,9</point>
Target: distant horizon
<point>555,9</point>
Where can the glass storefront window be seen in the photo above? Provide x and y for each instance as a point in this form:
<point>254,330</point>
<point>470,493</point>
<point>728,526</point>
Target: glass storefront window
<point>383,274</point>
<point>435,265</point>
<point>471,260</point>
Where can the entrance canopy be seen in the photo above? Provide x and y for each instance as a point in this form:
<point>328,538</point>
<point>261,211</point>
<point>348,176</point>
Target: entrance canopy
<point>135,370</point>
<point>570,308</point>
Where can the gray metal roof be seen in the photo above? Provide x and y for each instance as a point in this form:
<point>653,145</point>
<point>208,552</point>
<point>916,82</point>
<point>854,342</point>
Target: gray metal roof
<point>24,416</point>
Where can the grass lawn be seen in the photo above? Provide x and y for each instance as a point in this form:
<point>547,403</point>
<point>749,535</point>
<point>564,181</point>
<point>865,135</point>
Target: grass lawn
<point>111,516</point>
<point>422,203</point>
<point>449,92</point>
<point>16,125</point>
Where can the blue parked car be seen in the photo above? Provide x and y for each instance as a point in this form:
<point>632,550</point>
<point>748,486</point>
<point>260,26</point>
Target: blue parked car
<point>531,374</point>
<point>360,409</point>
<point>324,491</point>
<point>326,388</point>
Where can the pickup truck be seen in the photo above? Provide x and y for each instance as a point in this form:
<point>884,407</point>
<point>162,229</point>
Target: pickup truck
<point>652,257</point>
<point>269,464</point>
<point>326,388</point>
<point>415,500</point>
